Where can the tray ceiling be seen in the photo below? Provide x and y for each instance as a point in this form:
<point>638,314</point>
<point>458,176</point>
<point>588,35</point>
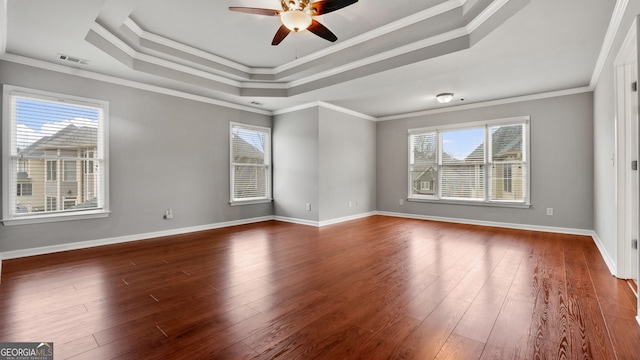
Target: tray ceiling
<point>390,57</point>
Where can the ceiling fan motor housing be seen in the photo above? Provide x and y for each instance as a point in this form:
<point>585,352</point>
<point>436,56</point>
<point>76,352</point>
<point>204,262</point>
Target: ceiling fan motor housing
<point>292,5</point>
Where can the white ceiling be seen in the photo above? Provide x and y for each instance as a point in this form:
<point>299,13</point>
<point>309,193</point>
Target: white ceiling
<point>391,57</point>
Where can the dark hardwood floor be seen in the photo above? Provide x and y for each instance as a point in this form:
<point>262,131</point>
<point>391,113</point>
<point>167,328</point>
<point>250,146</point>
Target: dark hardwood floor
<point>375,288</point>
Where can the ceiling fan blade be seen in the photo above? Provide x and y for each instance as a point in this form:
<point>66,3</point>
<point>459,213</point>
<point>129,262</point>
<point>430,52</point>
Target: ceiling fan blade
<point>326,6</point>
<point>255,11</point>
<point>282,33</point>
<point>322,31</point>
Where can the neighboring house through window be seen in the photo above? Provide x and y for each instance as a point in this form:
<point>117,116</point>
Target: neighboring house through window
<point>454,164</point>
<point>250,149</point>
<point>55,155</point>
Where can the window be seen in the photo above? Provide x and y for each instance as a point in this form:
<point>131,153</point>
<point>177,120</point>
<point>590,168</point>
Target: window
<point>52,203</point>
<point>59,144</point>
<point>52,170</point>
<point>455,164</point>
<point>250,164</point>
<point>69,202</point>
<point>88,164</point>
<point>25,189</point>
<point>70,170</point>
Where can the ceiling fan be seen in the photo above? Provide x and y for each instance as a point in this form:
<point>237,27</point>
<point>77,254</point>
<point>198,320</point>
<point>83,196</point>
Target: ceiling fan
<point>297,15</point>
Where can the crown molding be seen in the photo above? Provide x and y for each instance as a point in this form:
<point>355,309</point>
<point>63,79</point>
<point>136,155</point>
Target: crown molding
<point>426,14</point>
<point>180,94</point>
<point>486,14</point>
<point>124,82</point>
<point>386,55</point>
<point>346,111</point>
<point>155,38</point>
<point>370,35</point>
<point>326,105</point>
<point>478,105</point>
<point>3,26</point>
<point>138,56</point>
<point>609,38</point>
<point>157,55</point>
<point>297,108</point>
<point>134,55</point>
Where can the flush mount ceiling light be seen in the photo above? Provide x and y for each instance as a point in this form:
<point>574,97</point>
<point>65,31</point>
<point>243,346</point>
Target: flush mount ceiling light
<point>297,15</point>
<point>444,98</point>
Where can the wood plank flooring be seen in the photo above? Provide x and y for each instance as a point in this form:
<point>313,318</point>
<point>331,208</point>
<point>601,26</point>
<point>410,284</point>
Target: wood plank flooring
<point>374,288</point>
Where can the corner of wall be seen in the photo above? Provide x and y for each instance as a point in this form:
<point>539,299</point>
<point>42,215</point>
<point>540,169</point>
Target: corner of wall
<point>611,264</point>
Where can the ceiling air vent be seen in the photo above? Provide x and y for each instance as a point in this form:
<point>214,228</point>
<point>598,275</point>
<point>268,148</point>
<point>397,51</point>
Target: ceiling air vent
<point>73,59</point>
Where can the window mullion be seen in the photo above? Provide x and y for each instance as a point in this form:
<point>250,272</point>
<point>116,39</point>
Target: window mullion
<point>488,163</point>
<point>439,164</point>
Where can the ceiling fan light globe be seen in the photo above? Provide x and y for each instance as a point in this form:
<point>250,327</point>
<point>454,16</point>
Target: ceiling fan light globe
<point>295,20</point>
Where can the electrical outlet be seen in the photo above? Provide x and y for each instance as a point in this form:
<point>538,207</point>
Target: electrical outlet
<point>350,203</point>
<point>549,211</point>
<point>401,201</point>
<point>308,207</point>
<point>168,214</point>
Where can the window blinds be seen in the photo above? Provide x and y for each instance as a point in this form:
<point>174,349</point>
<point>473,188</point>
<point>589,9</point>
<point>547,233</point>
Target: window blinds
<point>250,156</point>
<point>57,155</point>
<point>479,162</point>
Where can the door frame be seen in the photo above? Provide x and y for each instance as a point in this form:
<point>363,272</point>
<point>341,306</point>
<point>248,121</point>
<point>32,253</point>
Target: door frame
<point>627,56</point>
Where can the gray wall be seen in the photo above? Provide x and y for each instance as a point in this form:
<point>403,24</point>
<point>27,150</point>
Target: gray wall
<point>164,152</point>
<point>325,158</point>
<point>605,209</point>
<point>561,163</point>
<point>347,165</point>
<point>295,164</point>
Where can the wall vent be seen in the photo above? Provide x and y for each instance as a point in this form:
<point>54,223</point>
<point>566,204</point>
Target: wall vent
<point>73,59</point>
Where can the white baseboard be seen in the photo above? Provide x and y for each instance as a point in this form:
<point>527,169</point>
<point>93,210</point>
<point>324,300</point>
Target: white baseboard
<point>122,239</point>
<point>324,222</point>
<point>100,242</point>
<point>550,229</point>
<point>14,254</point>
<point>297,221</point>
<point>346,218</point>
<point>605,255</point>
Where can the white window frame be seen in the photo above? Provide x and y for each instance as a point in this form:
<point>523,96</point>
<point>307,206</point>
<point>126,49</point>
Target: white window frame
<point>9,160</point>
<point>267,165</point>
<point>487,165</point>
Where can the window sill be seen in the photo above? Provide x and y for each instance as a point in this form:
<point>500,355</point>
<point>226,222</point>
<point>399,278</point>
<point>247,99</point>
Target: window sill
<point>49,218</point>
<point>473,203</point>
<point>250,202</point>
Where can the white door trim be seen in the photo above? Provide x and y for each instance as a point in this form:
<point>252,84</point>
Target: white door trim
<point>627,56</point>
